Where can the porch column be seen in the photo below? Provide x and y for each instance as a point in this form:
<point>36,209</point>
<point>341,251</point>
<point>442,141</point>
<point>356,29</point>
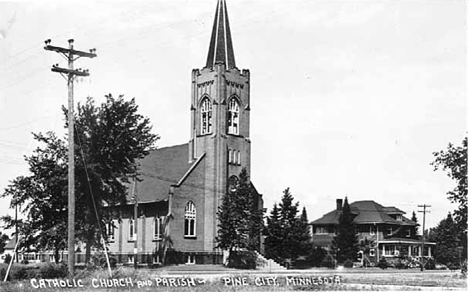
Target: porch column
<point>429,251</point>
<point>419,250</point>
<point>410,247</point>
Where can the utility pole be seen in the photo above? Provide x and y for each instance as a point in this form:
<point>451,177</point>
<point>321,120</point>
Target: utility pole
<point>70,74</point>
<point>135,225</point>
<point>424,211</point>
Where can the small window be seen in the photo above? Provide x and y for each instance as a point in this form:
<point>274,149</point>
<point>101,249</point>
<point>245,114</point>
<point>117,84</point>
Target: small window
<point>233,117</point>
<point>238,158</point>
<point>206,113</point>
<point>372,252</point>
<point>156,259</point>
<point>131,259</point>
<point>372,230</point>
<point>190,219</point>
<point>110,231</point>
<point>389,231</point>
<point>131,229</point>
<point>190,260</point>
<point>158,228</point>
<point>230,156</point>
<point>399,217</point>
<point>408,232</point>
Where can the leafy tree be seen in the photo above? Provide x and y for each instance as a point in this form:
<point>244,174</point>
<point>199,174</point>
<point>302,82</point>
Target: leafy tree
<point>415,219</point>
<point>109,139</point>
<point>454,162</point>
<point>240,219</point>
<point>3,240</point>
<point>345,243</point>
<point>43,196</point>
<point>445,235</point>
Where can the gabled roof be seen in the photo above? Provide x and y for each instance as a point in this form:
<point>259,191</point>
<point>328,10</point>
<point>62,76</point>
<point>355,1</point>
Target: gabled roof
<point>221,50</point>
<point>159,170</point>
<point>367,212</point>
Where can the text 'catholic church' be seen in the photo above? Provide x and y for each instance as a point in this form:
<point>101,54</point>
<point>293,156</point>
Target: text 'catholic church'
<point>182,186</point>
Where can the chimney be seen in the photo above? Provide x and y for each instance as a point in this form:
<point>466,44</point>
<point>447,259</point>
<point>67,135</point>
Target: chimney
<point>339,204</point>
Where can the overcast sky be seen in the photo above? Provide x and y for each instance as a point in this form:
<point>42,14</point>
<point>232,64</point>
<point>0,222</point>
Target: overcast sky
<point>348,98</point>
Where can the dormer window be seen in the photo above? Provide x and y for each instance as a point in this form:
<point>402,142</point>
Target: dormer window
<point>399,217</point>
<point>206,113</point>
<point>233,117</point>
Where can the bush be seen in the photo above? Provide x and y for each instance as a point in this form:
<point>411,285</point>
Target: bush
<point>401,264</point>
<point>7,259</point>
<point>173,257</point>
<point>98,260</point>
<point>382,263</point>
<point>51,271</point>
<point>24,262</point>
<point>348,263</point>
<point>244,259</point>
<point>316,256</point>
<point>429,264</point>
<point>328,262</point>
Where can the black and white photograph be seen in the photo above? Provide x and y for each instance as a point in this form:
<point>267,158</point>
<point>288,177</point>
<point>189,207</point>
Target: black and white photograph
<point>233,145</point>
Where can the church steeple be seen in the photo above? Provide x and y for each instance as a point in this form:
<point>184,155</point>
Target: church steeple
<point>221,50</point>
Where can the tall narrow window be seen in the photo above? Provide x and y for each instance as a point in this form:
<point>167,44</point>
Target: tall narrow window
<point>190,219</point>
<point>131,229</point>
<point>238,157</point>
<point>158,228</point>
<point>206,113</point>
<point>233,117</point>
<point>110,231</point>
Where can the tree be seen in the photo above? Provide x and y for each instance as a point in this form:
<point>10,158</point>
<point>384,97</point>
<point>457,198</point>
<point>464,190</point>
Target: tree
<point>287,234</point>
<point>43,196</point>
<point>110,138</point>
<point>240,219</point>
<point>454,162</point>
<point>445,235</point>
<point>3,240</point>
<point>415,219</point>
<point>345,243</point>
<point>273,235</point>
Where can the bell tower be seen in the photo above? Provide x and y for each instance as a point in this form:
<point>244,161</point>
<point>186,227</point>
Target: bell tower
<point>220,118</point>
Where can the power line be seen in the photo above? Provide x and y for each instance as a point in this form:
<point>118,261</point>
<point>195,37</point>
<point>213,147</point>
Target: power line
<point>424,211</point>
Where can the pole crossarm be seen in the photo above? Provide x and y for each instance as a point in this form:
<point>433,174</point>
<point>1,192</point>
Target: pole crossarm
<point>70,51</point>
<point>71,72</point>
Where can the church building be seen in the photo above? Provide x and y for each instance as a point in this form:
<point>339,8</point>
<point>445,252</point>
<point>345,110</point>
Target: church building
<point>181,187</point>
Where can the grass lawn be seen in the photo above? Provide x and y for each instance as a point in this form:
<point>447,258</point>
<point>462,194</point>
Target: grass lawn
<point>216,278</point>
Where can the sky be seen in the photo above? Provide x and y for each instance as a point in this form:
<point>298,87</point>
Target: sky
<point>348,98</point>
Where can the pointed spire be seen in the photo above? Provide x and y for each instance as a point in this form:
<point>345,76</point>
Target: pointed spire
<point>221,49</point>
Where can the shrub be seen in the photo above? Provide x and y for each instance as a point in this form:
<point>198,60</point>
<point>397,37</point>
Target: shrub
<point>98,260</point>
<point>401,264</point>
<point>382,263</point>
<point>22,272</point>
<point>51,270</point>
<point>316,256</point>
<point>328,261</point>
<point>348,263</point>
<point>244,259</point>
<point>173,257</point>
<point>24,262</point>
<point>429,264</point>
<point>7,259</point>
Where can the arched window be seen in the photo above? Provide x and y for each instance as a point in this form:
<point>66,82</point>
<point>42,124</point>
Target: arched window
<point>190,219</point>
<point>158,228</point>
<point>233,117</point>
<point>233,183</point>
<point>206,114</point>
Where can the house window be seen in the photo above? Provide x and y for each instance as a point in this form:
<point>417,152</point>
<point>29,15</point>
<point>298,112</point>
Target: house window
<point>238,157</point>
<point>110,231</point>
<point>131,229</point>
<point>158,228</point>
<point>156,259</point>
<point>321,230</point>
<point>190,260</point>
<point>372,252</point>
<point>190,219</point>
<point>408,232</point>
<point>206,113</point>
<point>389,231</point>
<point>399,217</point>
<point>131,259</point>
<point>389,250</point>
<point>233,117</point>
<point>230,156</point>
<point>372,230</point>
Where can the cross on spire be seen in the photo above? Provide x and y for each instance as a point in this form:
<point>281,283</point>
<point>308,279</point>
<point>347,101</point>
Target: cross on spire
<point>221,50</point>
